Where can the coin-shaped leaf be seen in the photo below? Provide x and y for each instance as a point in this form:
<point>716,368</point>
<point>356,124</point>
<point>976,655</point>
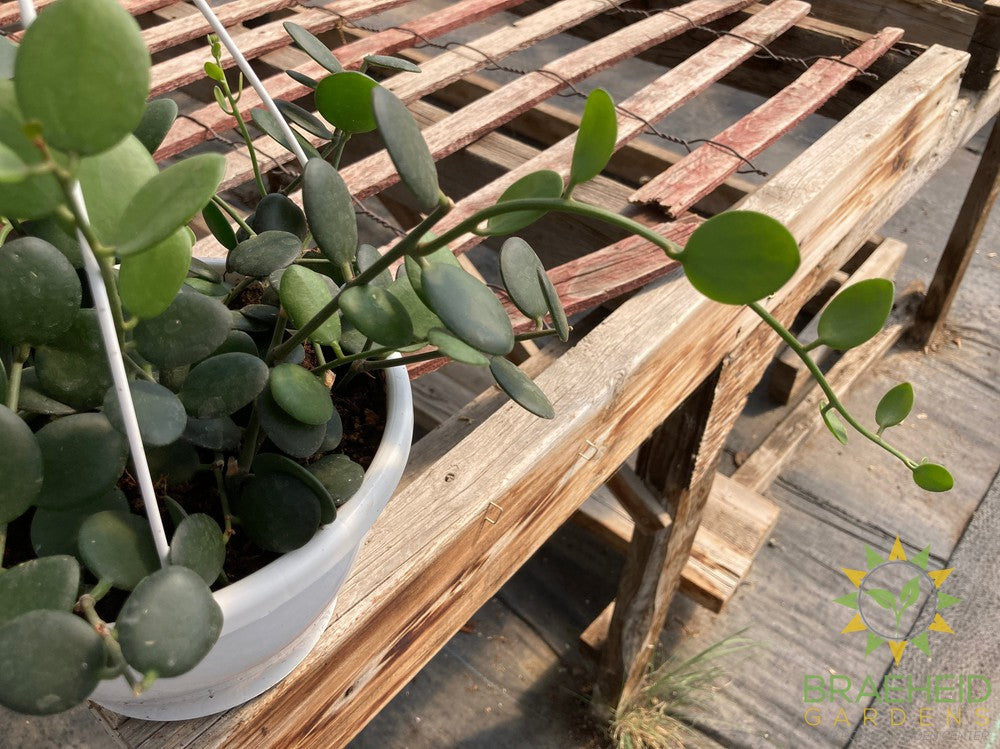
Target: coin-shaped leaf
<point>48,583</point>
<point>219,225</point>
<point>933,477</point>
<point>52,231</point>
<point>57,531</point>
<point>541,184</point>
<point>169,623</point>
<point>290,435</point>
<point>520,388</point>
<point>304,119</point>
<point>303,78</point>
<point>559,320</point>
<point>894,406</point>
<point>39,292</point>
<point>377,314</point>
<point>82,71</point>
<point>260,256</point>
<point>330,212</point>
<point>468,308</point>
<point>20,466</point>
<point>190,329</point>
<point>118,547</point>
<point>160,413</point>
<point>110,180</point>
<point>274,463</point>
<point>313,47</point>
<point>301,394</point>
<point>739,257</point>
<point>50,661</point>
<point>345,101</point>
<point>340,475</point>
<point>199,545</point>
<point>388,62</point>
<point>406,147</point>
<point>37,195</point>
<point>223,384</point>
<point>595,142</point>
<point>270,124</point>
<point>303,294</point>
<point>34,401</point>
<point>213,434</point>
<point>422,319</point>
<point>175,463</point>
<point>237,341</point>
<point>334,433</point>
<point>156,122</point>
<point>414,270</point>
<point>835,425</point>
<point>73,368</point>
<point>367,257</point>
<point>519,267</point>
<point>856,314</point>
<point>149,281</point>
<point>277,512</point>
<point>277,212</point>
<point>82,456</point>
<point>455,348</point>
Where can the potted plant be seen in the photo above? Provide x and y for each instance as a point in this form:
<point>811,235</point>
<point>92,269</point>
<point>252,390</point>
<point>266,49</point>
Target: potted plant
<point>233,385</point>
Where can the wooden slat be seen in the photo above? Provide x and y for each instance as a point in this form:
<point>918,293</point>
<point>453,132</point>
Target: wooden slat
<point>10,13</point>
<point>188,132</point>
<point>926,21</point>
<point>710,164</point>
<point>194,25</point>
<point>984,47</point>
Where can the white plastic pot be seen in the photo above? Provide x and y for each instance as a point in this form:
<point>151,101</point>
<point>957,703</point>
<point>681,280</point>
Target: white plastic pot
<point>274,617</point>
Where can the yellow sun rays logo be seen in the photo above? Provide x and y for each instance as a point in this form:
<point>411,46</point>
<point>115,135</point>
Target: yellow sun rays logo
<point>886,598</point>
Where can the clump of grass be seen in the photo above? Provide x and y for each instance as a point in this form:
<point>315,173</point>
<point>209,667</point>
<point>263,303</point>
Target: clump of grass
<point>661,713</point>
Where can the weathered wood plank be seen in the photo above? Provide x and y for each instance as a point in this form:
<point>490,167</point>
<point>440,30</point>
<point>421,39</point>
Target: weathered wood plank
<point>788,374</point>
<point>10,11</point>
<point>984,47</point>
<point>926,21</point>
<point>194,25</point>
<point>701,171</point>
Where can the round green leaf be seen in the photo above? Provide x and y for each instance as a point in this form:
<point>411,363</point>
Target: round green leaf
<point>175,463</point>
<point>237,341</point>
<point>469,309</point>
<point>39,292</point>
<point>304,293</point>
<point>12,169</point>
<point>455,348</point>
<point>559,319</point>
<point>520,388</point>
<point>835,425</point>
<point>272,127</point>
<point>213,434</point>
<point>301,394</point>
<point>57,531</point>
<point>118,547</point>
<point>519,267</point>
<point>894,406</point>
<point>406,147</point>
<point>595,142</point>
<point>73,368</point>
<point>191,328</point>
<point>82,456</point>
<point>48,583</point>
<point>304,119</point>
<point>156,122</point>
<point>933,477</point>
<point>422,320</point>
<point>540,184</point>
<point>856,314</point>
<point>330,212</point>
<point>739,257</point>
<point>149,281</point>
<point>273,463</point>
<point>345,101</point>
<point>303,79</point>
<point>223,384</point>
<point>260,256</point>
<point>277,212</point>
<point>160,413</point>
<point>52,231</point>
<point>20,466</point>
<point>392,63</point>
<point>50,661</point>
<point>367,257</point>
<point>199,545</point>
<point>82,71</point>
<point>110,180</point>
<point>34,401</point>
<point>169,623</point>
<point>277,512</point>
<point>313,47</point>
<point>377,314</point>
<point>35,196</point>
<point>340,475</point>
<point>334,433</point>
<point>167,202</point>
<point>219,225</point>
<point>8,51</point>
<point>290,435</point>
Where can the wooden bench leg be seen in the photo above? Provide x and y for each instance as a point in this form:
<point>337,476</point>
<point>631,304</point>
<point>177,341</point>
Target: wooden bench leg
<point>962,243</point>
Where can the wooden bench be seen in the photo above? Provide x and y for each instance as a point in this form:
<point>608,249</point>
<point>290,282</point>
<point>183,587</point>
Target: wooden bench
<point>666,372</point>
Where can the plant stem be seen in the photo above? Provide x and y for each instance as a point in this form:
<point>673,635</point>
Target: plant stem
<point>233,214</point>
<point>14,381</point>
<point>365,366</point>
<point>235,112</point>
<point>250,436</point>
<point>672,249</point>
<point>237,290</point>
<point>403,247</point>
<point>338,149</point>
<point>86,605</point>
<point>820,378</point>
<point>347,359</point>
<point>220,483</point>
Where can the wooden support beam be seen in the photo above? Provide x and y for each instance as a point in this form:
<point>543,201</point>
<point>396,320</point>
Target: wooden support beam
<point>788,373</point>
<point>962,242</point>
<point>984,48</point>
<point>637,499</point>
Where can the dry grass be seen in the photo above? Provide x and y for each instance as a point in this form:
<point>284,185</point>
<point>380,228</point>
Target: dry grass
<point>672,694</point>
